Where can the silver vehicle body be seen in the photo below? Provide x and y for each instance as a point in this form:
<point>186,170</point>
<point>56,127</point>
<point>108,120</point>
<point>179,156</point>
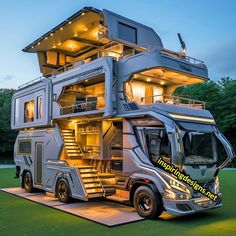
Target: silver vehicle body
<point>121,163</point>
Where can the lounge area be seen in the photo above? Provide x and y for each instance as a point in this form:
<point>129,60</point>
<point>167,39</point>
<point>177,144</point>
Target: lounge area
<point>85,96</point>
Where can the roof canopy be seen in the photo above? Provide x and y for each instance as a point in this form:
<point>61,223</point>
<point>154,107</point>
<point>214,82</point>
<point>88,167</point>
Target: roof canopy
<point>76,35</point>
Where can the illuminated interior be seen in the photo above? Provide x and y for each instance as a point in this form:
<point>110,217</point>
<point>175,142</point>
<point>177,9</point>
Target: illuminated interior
<point>29,111</point>
<point>83,38</point>
<point>87,95</point>
<point>152,85</point>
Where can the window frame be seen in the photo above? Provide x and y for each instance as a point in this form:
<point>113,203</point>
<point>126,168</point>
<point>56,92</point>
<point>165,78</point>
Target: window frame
<point>22,141</point>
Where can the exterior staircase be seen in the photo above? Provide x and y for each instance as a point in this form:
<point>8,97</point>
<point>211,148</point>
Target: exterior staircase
<point>88,173</point>
<point>72,148</point>
<point>91,181</point>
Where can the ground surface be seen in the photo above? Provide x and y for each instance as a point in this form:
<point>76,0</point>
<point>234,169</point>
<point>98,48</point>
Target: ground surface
<point>22,217</point>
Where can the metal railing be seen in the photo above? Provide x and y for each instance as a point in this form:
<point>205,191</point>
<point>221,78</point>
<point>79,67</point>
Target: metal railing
<point>80,107</point>
<point>180,55</point>
<point>173,100</point>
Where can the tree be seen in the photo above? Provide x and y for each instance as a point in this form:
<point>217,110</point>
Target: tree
<point>7,136</point>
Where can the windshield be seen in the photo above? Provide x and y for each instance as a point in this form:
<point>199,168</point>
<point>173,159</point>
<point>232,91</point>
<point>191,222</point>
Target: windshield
<point>199,148</point>
<point>155,143</point>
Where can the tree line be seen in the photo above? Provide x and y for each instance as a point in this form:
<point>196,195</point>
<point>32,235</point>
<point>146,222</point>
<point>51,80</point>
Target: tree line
<point>219,97</point>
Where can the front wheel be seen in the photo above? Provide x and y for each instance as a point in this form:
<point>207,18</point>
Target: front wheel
<point>63,191</point>
<point>147,203</point>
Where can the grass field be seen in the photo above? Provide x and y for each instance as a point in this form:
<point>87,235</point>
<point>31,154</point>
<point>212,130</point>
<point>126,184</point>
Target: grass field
<point>22,217</point>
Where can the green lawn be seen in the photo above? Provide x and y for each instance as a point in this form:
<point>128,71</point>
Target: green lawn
<point>22,217</point>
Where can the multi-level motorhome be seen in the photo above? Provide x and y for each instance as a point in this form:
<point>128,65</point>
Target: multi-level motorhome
<point>103,112</point>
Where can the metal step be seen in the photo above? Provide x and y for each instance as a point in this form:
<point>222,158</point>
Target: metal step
<point>94,190</point>
<point>85,167</point>
<point>117,198</point>
<point>94,195</point>
<point>91,180</point>
<point>92,185</point>
<point>86,171</point>
<point>74,154</point>
<point>90,175</point>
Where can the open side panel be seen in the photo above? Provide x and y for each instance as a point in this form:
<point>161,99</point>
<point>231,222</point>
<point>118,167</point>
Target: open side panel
<point>31,106</point>
<point>84,91</point>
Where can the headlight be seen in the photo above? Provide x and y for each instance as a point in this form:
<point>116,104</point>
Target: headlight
<point>178,191</point>
<point>170,194</point>
<point>178,186</point>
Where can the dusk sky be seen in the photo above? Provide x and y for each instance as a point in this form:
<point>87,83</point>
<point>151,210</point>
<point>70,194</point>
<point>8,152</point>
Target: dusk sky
<point>208,28</point>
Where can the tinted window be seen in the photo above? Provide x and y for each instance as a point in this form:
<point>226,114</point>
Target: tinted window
<point>127,33</point>
<point>24,147</point>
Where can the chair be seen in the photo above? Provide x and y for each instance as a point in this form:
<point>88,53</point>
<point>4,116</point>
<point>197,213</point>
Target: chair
<point>80,104</point>
<point>91,103</point>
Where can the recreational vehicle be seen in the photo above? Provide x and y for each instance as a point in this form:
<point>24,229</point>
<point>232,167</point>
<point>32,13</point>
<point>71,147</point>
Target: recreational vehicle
<point>104,111</point>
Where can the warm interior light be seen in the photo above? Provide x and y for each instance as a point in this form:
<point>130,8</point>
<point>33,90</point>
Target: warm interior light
<point>75,35</point>
<point>162,82</point>
<point>85,29</point>
<point>54,46</point>
<point>148,80</point>
<point>59,44</point>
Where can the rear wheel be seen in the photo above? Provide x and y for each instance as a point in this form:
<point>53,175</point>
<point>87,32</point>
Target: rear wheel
<point>28,182</point>
<point>63,191</point>
<point>147,202</point>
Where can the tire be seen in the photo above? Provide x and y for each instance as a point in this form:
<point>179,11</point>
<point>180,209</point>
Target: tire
<point>147,202</point>
<point>63,191</point>
<point>28,182</point>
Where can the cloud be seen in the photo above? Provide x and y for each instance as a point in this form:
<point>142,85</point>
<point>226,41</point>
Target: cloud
<point>6,78</point>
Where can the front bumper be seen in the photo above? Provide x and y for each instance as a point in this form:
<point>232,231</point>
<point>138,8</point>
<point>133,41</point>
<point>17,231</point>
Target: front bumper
<point>191,206</point>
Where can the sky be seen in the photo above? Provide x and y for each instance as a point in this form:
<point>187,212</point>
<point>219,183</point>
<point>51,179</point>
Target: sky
<point>208,28</point>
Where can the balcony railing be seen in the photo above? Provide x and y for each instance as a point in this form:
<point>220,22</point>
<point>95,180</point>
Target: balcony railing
<point>89,105</point>
<point>174,100</point>
<point>180,55</point>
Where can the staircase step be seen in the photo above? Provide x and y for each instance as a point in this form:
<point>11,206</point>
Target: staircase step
<point>91,180</point>
<point>67,130</point>
<point>87,171</point>
<point>74,154</point>
<point>85,167</point>
<point>94,190</point>
<point>92,185</point>
<point>94,195</point>
<point>90,175</point>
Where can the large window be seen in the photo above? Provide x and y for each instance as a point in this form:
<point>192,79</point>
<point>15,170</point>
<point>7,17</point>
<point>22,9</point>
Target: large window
<point>24,147</point>
<point>127,33</point>
<point>29,111</point>
<point>143,92</point>
<point>199,148</point>
<point>154,142</point>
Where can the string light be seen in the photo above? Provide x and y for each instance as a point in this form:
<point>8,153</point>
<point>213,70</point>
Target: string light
<point>61,28</point>
<point>69,22</point>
